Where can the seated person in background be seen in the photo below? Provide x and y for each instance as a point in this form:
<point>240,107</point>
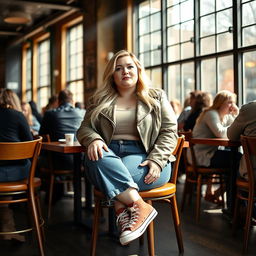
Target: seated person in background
<point>213,122</point>
<point>56,122</point>
<point>244,124</point>
<point>184,113</point>
<point>129,132</point>
<point>198,101</point>
<point>175,103</point>
<point>13,128</point>
<point>79,105</point>
<point>32,121</point>
<point>35,111</point>
<point>52,103</point>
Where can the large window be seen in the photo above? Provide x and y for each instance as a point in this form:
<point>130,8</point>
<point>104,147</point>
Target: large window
<point>43,88</point>
<point>75,62</point>
<point>198,44</point>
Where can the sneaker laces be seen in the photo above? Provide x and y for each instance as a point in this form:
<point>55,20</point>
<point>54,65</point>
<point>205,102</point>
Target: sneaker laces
<point>123,219</point>
<point>134,210</point>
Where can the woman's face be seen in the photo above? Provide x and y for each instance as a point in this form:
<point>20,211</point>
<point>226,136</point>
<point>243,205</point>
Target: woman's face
<point>227,106</point>
<point>126,73</point>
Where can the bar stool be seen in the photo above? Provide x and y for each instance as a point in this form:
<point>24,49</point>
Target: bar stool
<point>166,193</point>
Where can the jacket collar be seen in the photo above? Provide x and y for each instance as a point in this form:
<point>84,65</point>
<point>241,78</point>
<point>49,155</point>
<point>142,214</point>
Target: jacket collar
<point>142,111</point>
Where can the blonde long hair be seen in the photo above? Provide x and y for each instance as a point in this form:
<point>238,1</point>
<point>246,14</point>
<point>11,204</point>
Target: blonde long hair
<point>218,101</point>
<point>9,99</point>
<point>26,109</point>
<point>107,93</point>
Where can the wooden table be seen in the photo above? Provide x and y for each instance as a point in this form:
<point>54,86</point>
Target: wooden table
<point>234,145</point>
<point>76,149</point>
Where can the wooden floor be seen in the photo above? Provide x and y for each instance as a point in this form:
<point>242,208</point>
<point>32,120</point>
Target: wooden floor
<point>212,236</point>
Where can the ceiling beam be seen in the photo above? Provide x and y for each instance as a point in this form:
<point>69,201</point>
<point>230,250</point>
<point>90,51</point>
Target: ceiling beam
<point>46,4</point>
<point>10,33</point>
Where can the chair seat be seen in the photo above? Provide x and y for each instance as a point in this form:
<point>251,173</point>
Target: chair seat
<point>165,190</point>
<point>18,185</point>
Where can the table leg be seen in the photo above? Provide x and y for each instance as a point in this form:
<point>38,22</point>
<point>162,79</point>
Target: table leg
<point>77,189</point>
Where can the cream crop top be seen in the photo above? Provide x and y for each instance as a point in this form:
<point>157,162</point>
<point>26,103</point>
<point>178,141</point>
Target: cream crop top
<point>126,124</point>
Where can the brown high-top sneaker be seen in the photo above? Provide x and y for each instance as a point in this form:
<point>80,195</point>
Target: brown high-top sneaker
<point>141,216</point>
<point>123,220</point>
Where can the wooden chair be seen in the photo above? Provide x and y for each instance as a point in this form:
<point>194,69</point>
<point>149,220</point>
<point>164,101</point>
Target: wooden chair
<point>166,193</point>
<point>27,188</point>
<point>198,176</point>
<point>53,173</point>
<point>246,189</point>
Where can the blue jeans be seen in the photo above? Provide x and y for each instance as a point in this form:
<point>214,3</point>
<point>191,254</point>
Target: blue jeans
<point>119,169</point>
<point>15,170</point>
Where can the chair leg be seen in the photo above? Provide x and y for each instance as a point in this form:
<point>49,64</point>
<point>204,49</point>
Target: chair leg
<point>95,226</point>
<point>234,221</point>
<point>198,197</point>
<point>150,233</point>
<point>36,222</point>
<point>40,217</point>
<point>248,222</point>
<point>177,224</point>
<point>184,195</point>
<point>50,196</point>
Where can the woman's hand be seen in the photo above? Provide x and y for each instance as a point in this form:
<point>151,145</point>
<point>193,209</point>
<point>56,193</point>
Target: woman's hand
<point>234,110</point>
<point>94,151</point>
<point>153,173</point>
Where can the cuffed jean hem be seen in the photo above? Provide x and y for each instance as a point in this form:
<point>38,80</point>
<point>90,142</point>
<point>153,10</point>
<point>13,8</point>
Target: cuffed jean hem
<point>112,194</point>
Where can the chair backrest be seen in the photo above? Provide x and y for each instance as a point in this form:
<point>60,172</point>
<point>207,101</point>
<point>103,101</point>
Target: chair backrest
<point>249,148</point>
<point>177,153</point>
<point>22,150</point>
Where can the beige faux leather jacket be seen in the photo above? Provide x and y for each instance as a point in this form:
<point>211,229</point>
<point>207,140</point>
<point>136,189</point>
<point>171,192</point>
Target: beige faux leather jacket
<point>157,128</point>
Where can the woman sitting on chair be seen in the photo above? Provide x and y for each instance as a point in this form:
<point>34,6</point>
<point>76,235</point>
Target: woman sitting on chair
<point>213,122</point>
<point>129,131</point>
<point>13,128</point>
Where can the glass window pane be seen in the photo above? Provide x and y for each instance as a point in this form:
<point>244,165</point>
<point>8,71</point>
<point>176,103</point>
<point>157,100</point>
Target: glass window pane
<point>248,13</point>
<point>173,35</point>
<point>173,15</point>
<point>144,26</point>
<point>188,81</point>
<point>207,25</point>
<point>206,6</point>
<point>249,76</point>
<point>145,59</point>
<point>43,96</point>
<point>156,40</point>
<point>172,2</point>
<point>143,9</point>
<point>156,22</point>
<point>156,57</point>
<point>77,89</point>
<point>208,45</point>
<point>226,73</point>
<point>187,50</point>
<point>144,43</point>
<point>225,41</point>
<point>156,77</point>
<point>208,76</point>
<point>174,53</point>
<point>187,12</point>
<point>174,87</point>
<point>155,6</point>
<point>249,35</point>
<point>222,4</point>
<point>224,20</point>
<point>187,31</point>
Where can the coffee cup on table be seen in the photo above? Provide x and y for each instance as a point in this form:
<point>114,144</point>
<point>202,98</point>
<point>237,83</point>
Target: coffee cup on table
<point>69,137</point>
